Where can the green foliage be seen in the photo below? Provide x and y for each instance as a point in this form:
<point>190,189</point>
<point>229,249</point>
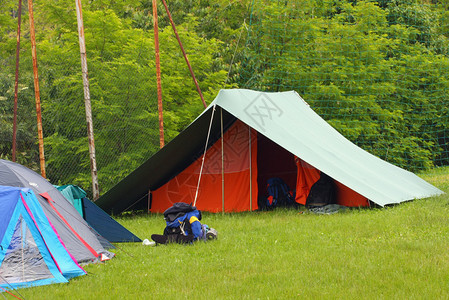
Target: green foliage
<point>121,67</point>
<point>376,73</point>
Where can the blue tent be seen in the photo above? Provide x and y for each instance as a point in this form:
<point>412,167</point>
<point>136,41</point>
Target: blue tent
<point>31,252</point>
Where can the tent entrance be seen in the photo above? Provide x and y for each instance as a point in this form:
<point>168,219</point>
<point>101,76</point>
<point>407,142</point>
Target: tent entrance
<point>273,161</point>
<point>23,261</point>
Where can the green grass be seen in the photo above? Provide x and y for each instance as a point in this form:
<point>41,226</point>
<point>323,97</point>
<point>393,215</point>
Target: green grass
<point>400,252</point>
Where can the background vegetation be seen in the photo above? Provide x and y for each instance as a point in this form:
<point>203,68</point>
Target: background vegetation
<point>399,252</point>
<point>376,70</point>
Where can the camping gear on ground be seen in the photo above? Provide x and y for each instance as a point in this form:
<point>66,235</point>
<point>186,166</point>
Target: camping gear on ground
<point>183,226</point>
<point>146,242</point>
<point>211,233</point>
<point>31,252</point>
<point>322,192</point>
<point>252,136</point>
<point>78,237</point>
<point>328,209</point>
<point>99,220</point>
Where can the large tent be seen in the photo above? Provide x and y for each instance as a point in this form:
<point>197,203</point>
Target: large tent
<point>79,238</point>
<point>31,252</point>
<point>251,136</point>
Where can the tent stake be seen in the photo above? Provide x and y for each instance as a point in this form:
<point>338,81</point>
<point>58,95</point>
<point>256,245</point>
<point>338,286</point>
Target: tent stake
<point>158,75</point>
<point>16,82</point>
<point>87,104</point>
<point>36,90</point>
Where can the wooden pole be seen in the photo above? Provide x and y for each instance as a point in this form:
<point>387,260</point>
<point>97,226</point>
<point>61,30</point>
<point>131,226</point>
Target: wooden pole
<point>36,90</point>
<point>158,75</point>
<point>184,53</point>
<point>87,104</point>
<point>149,201</point>
<point>16,82</point>
<point>222,164</point>
<point>250,171</point>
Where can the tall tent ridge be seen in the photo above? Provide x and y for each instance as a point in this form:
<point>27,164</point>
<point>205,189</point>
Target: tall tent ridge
<point>280,127</point>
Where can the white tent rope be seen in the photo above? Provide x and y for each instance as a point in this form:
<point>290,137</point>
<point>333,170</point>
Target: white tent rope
<point>204,155</point>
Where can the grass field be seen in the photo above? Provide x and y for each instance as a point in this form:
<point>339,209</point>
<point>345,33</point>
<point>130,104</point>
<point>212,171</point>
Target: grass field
<point>399,252</point>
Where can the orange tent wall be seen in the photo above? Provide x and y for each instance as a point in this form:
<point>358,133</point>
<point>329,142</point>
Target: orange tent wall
<point>236,156</point>
<point>308,175</point>
<point>267,160</point>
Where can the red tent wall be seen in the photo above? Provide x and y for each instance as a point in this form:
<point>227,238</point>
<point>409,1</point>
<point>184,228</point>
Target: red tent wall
<point>236,156</point>
<point>307,176</point>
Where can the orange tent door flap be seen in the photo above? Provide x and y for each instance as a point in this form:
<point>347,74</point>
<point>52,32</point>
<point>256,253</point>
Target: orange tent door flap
<point>308,175</point>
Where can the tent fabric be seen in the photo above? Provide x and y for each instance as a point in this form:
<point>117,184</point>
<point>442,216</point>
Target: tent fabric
<point>288,121</point>
<point>99,220</point>
<point>29,242</point>
<point>237,165</point>
<point>75,196</point>
<point>308,175</point>
<point>106,226</point>
<point>59,211</point>
<point>164,165</point>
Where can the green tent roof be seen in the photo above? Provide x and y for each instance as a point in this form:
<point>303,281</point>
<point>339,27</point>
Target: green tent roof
<point>286,119</point>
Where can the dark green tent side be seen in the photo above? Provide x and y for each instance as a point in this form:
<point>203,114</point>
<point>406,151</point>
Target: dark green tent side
<point>99,220</point>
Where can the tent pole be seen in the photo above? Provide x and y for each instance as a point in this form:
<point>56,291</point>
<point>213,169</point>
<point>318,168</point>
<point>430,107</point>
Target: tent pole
<point>36,90</point>
<point>16,83</point>
<point>87,103</point>
<point>149,199</point>
<point>250,172</point>
<point>158,75</point>
<point>222,164</point>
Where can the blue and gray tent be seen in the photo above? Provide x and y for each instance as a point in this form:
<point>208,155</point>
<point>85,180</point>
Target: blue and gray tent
<point>31,252</point>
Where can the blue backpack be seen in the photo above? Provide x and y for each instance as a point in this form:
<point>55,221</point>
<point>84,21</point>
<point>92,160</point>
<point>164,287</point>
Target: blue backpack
<point>279,194</point>
<point>178,218</point>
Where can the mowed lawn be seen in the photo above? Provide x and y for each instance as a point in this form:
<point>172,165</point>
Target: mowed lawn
<point>399,252</point>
